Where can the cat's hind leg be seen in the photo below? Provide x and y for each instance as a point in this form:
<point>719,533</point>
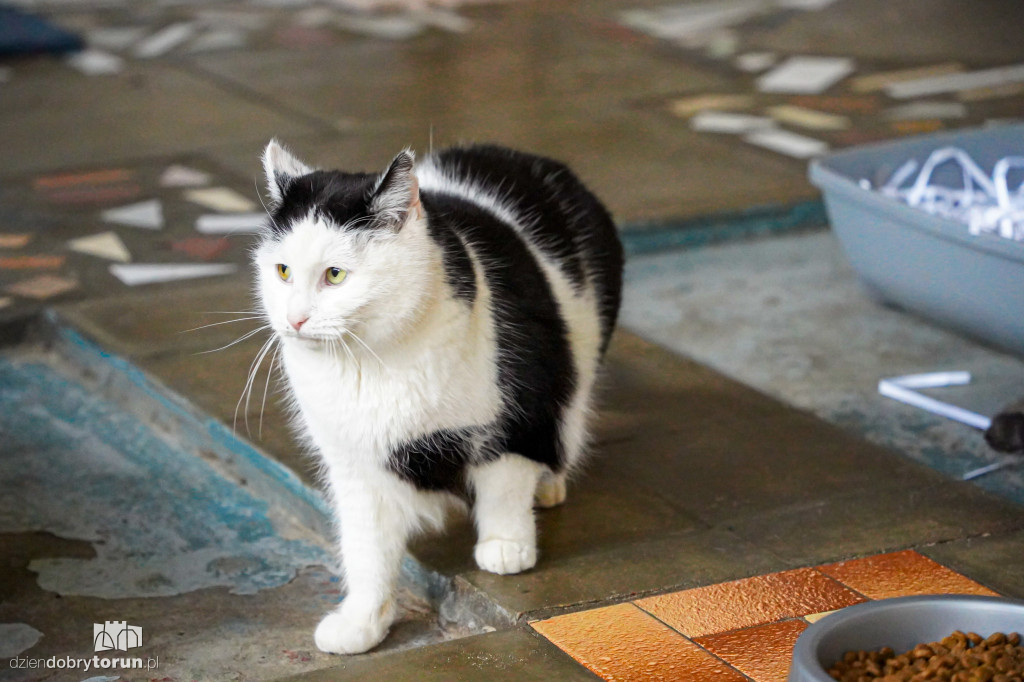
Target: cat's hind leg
<point>551,490</point>
<point>503,512</point>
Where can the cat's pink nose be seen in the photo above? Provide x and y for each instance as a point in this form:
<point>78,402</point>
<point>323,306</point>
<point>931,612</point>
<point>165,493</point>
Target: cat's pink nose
<point>297,322</point>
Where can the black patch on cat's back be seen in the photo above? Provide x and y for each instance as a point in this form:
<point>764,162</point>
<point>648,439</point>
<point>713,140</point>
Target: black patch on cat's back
<point>436,461</point>
<point>458,267</point>
<point>559,216</point>
<point>531,186</point>
<point>536,371</point>
<point>343,198</point>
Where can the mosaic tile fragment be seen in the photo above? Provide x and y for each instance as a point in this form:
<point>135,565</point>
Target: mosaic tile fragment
<point>751,601</point>
<point>43,287</point>
<point>220,199</point>
<point>183,176</point>
<point>151,273</point>
<point>203,248</point>
<point>104,245</point>
<point>145,214</point>
<point>900,574</point>
<point>38,262</point>
<point>14,241</point>
<point>622,642</point>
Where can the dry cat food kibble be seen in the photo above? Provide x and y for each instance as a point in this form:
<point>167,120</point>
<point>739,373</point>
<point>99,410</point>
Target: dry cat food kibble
<point>957,658</point>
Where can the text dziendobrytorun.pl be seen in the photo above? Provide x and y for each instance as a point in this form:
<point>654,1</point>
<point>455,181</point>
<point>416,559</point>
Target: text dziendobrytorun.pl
<point>84,664</point>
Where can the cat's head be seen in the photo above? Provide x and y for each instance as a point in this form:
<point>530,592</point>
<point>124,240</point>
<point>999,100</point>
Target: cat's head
<point>342,253</point>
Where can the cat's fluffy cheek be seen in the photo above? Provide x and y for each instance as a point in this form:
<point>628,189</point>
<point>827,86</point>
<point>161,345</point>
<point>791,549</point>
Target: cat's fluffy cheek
<point>354,628</point>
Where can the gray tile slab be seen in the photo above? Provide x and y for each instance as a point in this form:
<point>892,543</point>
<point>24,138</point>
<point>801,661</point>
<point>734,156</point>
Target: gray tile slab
<point>670,561</point>
<point>156,319</point>
<point>895,515</point>
<point>519,654</point>
<point>991,559</point>
<point>876,29</point>
<point>54,117</point>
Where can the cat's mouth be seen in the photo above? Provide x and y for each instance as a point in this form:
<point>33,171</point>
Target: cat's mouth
<point>304,337</point>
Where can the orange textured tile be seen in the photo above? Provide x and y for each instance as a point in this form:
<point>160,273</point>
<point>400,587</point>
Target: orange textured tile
<point>748,602</point>
<point>622,642</point>
<point>762,653</point>
<point>901,574</point>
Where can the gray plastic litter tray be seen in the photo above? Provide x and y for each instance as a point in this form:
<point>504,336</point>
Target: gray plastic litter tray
<point>900,623</point>
<point>921,262</point>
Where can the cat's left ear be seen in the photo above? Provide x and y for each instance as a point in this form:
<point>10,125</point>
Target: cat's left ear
<point>281,167</point>
<point>396,193</point>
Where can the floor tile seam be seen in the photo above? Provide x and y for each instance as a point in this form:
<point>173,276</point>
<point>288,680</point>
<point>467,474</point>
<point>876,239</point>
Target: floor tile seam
<point>860,594</point>
<point>693,640</point>
<point>779,619</point>
<point>193,67</point>
<point>927,487</point>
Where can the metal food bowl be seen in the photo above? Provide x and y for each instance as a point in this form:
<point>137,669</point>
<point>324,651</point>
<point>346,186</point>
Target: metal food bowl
<point>900,623</point>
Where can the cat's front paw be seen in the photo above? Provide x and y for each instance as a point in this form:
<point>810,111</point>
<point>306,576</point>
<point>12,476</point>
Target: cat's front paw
<point>505,556</point>
<point>352,631</point>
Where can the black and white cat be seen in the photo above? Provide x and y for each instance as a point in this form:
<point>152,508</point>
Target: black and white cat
<point>440,328</point>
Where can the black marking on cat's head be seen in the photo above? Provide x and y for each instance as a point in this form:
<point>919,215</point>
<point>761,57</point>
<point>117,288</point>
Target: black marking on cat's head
<point>350,201</point>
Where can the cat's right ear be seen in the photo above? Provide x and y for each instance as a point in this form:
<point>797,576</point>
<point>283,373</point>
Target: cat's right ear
<point>281,168</point>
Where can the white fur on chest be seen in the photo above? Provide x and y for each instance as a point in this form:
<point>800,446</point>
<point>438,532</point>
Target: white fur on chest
<point>356,411</point>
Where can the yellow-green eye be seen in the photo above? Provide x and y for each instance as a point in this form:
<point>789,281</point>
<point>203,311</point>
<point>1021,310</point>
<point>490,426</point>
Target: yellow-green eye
<point>284,272</point>
<point>335,275</point>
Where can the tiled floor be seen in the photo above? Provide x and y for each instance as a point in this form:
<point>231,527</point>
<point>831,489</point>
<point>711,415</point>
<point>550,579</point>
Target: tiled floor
<point>740,628</point>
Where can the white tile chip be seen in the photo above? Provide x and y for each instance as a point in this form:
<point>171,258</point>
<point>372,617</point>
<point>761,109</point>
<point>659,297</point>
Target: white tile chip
<point>788,143</point>
<point>806,75</point>
<point>151,273</point>
<point>956,82</point>
<point>94,62</point>
<point>220,199</point>
<point>728,122</point>
<point>145,214</point>
<point>165,40</point>
<point>230,223</point>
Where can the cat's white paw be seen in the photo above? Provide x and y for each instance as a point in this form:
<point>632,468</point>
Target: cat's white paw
<point>550,491</point>
<point>505,556</point>
<point>347,631</point>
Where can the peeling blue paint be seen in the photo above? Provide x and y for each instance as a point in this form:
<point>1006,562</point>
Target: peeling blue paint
<point>161,520</point>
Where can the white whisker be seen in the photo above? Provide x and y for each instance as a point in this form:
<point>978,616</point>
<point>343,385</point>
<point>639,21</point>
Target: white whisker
<point>247,389</point>
<point>242,338</point>
<point>363,344</point>
<point>266,386</point>
<point>215,324</point>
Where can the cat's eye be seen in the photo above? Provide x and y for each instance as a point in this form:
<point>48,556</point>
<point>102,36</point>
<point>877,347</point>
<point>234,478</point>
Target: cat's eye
<point>335,275</point>
<point>284,272</point>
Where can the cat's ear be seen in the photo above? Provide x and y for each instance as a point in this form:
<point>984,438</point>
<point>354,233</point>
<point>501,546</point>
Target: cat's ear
<point>281,168</point>
<point>396,193</point>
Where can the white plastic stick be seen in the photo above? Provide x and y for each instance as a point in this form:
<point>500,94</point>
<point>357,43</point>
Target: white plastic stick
<point>902,389</point>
